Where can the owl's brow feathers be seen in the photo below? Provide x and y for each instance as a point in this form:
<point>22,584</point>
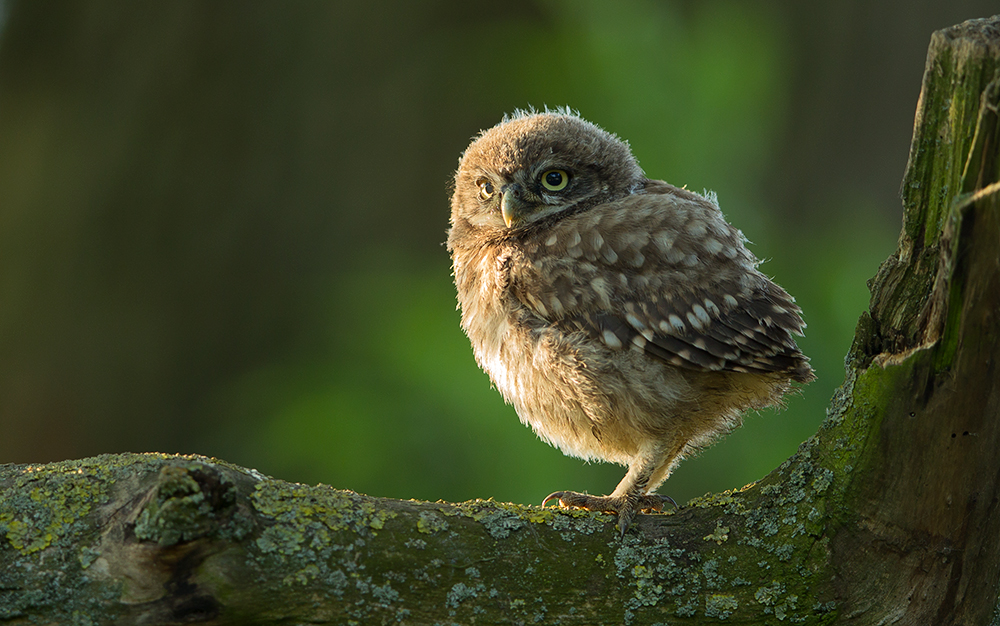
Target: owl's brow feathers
<point>528,138</point>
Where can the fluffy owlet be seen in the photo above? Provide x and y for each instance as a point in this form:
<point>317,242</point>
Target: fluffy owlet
<point>623,317</point>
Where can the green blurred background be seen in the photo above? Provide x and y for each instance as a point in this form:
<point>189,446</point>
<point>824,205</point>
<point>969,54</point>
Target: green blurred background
<point>221,223</point>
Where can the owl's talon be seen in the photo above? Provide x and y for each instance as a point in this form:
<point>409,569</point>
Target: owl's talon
<point>556,495</point>
<point>575,500</point>
<point>625,517</point>
<point>655,502</point>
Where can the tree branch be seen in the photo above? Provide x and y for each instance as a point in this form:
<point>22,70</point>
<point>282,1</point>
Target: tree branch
<point>888,514</point>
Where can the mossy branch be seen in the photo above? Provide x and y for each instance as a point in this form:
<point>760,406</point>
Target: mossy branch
<point>887,514</point>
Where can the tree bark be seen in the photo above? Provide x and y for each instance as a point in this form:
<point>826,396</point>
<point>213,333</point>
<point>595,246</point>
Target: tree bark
<point>889,514</point>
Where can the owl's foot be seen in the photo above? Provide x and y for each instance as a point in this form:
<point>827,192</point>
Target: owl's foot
<point>624,506</point>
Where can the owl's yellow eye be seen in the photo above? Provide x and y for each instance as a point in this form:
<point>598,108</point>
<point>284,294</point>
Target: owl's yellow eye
<point>555,180</point>
<point>485,188</point>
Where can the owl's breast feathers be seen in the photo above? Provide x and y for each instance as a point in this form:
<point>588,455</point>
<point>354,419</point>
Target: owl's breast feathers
<point>662,272</point>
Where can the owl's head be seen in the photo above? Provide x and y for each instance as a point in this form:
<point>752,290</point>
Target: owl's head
<point>532,166</point>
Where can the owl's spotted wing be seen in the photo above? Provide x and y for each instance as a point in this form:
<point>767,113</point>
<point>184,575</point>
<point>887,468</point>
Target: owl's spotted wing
<point>692,331</point>
<point>663,272</point>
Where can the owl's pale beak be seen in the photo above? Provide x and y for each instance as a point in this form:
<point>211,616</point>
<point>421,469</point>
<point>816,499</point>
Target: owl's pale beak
<point>513,205</point>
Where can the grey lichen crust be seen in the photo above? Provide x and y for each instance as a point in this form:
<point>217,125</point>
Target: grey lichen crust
<point>158,537</point>
<point>582,568</point>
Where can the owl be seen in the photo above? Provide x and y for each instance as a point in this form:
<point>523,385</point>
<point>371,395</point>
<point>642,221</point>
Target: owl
<point>622,317</point>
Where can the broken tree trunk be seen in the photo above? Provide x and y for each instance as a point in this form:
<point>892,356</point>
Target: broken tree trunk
<point>889,514</point>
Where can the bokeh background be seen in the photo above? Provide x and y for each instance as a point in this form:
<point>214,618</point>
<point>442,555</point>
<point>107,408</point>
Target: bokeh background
<point>221,223</point>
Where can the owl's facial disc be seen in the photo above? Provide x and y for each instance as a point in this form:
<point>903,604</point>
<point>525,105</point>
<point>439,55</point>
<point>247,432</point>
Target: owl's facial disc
<point>531,167</point>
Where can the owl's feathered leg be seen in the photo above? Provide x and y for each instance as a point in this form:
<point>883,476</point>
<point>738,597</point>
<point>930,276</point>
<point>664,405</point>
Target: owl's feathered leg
<point>630,496</point>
